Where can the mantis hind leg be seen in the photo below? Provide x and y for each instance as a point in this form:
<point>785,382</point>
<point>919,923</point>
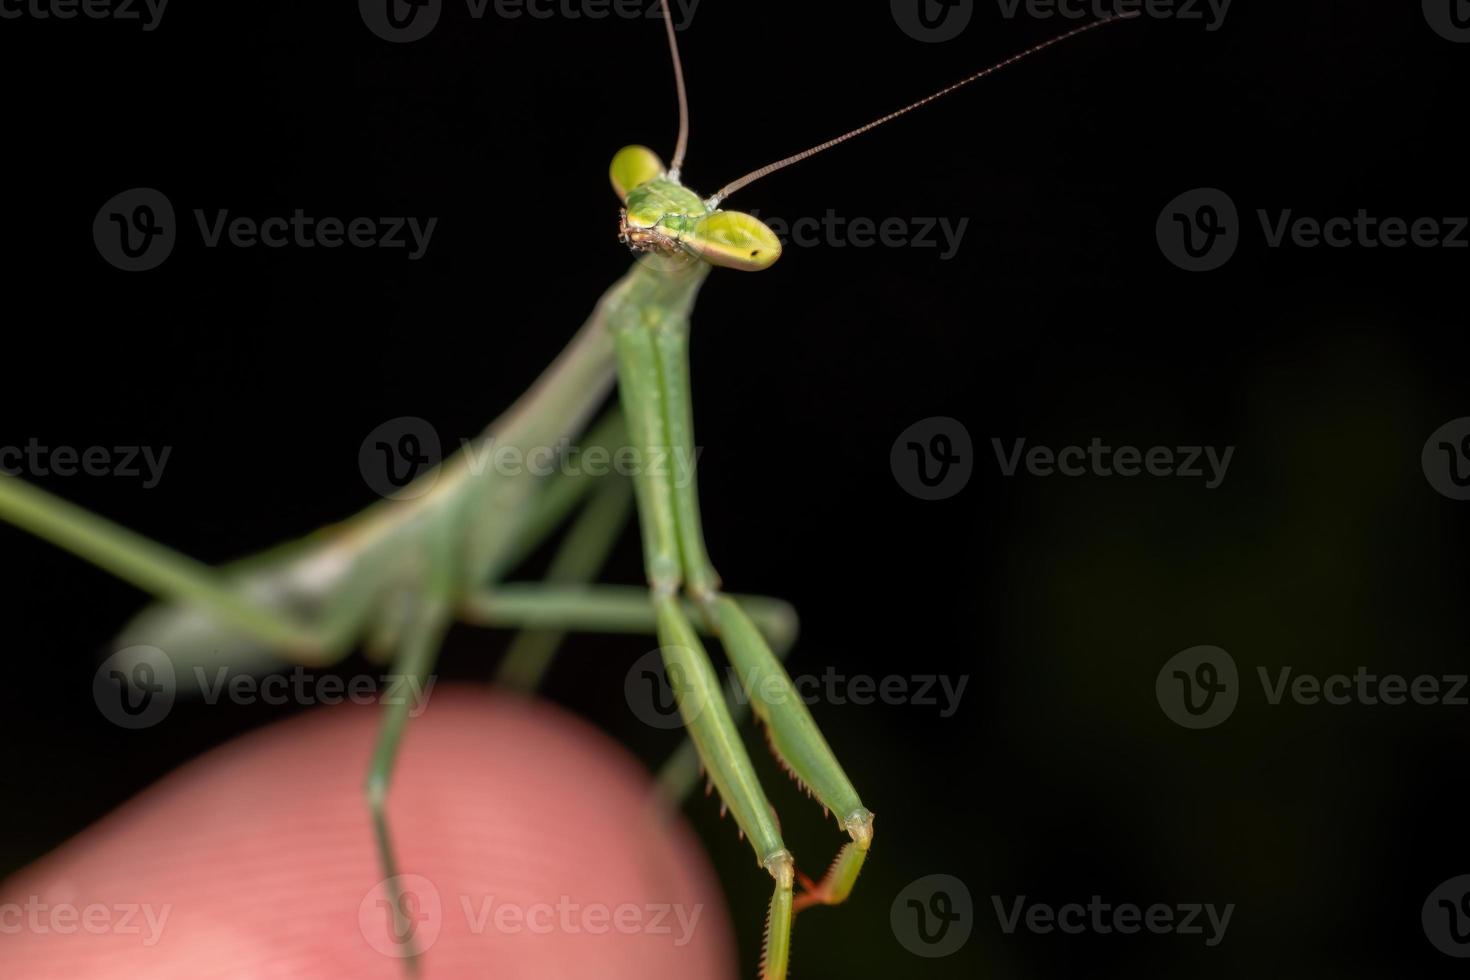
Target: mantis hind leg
<point>166,573</point>
<point>777,621</point>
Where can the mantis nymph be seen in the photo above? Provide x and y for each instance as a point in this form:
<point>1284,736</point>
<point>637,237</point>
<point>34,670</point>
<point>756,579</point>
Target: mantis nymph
<point>394,577</point>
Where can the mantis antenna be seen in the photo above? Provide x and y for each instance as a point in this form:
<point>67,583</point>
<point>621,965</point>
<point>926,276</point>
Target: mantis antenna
<point>683,144</point>
<point>771,168</point>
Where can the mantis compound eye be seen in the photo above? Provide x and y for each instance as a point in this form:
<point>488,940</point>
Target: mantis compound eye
<point>633,166</point>
<point>734,240</point>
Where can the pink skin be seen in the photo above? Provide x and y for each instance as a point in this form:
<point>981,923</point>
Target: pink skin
<point>534,829</point>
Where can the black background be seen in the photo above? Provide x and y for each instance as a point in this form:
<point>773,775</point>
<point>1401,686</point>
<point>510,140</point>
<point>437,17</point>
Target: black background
<point>1059,320</point>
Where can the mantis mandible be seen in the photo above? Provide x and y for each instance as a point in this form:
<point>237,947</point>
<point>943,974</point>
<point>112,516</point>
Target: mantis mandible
<point>395,576</point>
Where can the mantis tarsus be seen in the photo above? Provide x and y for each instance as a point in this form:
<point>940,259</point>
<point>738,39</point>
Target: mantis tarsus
<point>394,577</point>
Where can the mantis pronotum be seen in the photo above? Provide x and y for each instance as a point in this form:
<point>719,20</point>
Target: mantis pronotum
<point>394,577</point>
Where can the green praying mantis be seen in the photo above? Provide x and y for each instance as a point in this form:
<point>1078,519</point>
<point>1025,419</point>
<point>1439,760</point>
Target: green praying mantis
<point>394,577</point>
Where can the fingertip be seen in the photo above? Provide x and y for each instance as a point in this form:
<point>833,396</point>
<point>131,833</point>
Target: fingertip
<point>529,842</point>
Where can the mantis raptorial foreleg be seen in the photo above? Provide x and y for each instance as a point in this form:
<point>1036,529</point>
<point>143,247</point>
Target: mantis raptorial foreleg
<point>793,734</point>
<point>680,773</point>
<point>651,343</point>
<point>659,427</point>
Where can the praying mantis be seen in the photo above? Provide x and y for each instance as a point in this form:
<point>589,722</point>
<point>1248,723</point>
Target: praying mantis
<point>394,577</point>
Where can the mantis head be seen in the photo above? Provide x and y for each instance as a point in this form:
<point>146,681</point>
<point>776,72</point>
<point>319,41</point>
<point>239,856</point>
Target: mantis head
<point>662,215</point>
